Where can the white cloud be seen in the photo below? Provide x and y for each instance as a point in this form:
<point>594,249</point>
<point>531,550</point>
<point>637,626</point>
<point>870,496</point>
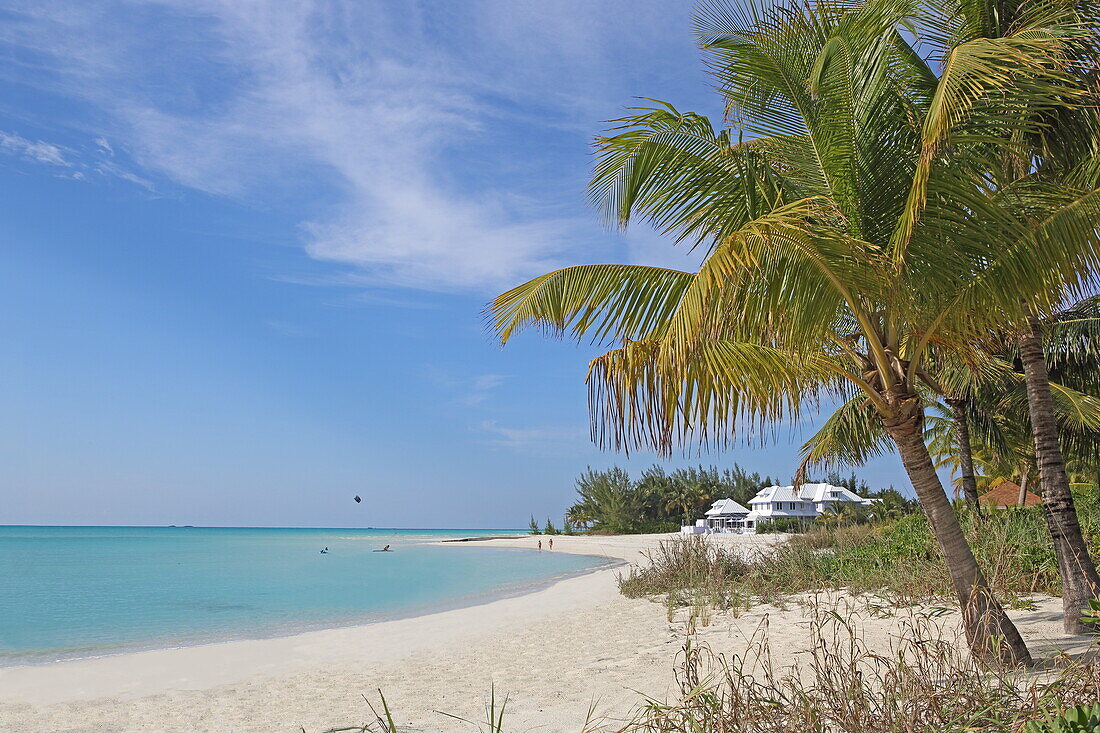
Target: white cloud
<point>71,163</point>
<point>469,391</point>
<point>378,122</point>
<point>36,150</point>
<point>480,388</point>
<point>540,439</point>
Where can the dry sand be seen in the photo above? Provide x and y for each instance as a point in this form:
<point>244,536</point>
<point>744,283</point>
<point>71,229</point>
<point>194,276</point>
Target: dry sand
<point>554,652</point>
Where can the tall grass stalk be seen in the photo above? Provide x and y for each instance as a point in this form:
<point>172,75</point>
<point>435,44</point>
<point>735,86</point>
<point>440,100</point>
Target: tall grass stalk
<point>927,682</point>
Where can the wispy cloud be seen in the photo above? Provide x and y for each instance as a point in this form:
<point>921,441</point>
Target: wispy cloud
<point>36,150</point>
<point>68,162</point>
<point>468,391</point>
<point>539,438</point>
<point>287,328</point>
<point>479,390</point>
<point>393,128</point>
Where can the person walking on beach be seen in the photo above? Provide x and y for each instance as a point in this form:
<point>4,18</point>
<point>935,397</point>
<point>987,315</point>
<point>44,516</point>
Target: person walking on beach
<point>550,543</point>
<point>540,545</point>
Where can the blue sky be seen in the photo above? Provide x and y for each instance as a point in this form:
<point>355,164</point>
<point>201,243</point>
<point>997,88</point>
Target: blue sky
<point>247,244</point>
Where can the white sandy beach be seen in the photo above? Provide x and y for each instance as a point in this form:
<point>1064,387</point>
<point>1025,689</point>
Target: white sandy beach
<point>554,652</point>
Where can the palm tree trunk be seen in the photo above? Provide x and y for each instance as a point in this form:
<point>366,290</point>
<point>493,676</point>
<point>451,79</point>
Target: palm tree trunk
<point>1080,582</point>
<point>1023,487</point>
<point>991,634</point>
<point>966,455</point>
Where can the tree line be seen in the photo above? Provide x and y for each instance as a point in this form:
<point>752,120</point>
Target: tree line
<point>610,500</point>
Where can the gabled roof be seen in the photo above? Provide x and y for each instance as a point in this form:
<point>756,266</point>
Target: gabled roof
<point>828,492</point>
<point>724,507</point>
<point>775,493</point>
<point>1007,494</point>
<point>816,493</point>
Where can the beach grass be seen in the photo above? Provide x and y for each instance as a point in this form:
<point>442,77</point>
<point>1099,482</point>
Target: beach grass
<point>897,560</point>
<point>925,682</point>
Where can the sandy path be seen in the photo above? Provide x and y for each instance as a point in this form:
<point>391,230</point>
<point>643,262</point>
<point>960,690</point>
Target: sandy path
<point>555,652</point>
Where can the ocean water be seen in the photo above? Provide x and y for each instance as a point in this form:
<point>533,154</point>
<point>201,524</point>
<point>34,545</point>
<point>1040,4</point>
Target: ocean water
<point>71,592</point>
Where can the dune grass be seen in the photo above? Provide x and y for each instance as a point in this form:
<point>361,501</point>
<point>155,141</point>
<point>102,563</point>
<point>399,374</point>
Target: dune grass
<point>897,560</point>
<point>925,683</point>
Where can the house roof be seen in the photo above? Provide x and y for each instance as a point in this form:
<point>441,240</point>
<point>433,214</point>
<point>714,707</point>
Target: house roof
<point>769,494</point>
<point>816,493</point>
<point>724,507</point>
<point>1007,494</point>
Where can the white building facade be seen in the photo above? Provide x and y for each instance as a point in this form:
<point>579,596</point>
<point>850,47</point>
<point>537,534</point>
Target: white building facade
<point>806,503</point>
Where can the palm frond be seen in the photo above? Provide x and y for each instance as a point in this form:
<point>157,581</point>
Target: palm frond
<point>599,302</point>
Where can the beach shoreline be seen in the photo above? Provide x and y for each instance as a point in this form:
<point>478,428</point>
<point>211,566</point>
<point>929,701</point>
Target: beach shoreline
<point>555,652</point>
<point>60,680</point>
<point>456,603</point>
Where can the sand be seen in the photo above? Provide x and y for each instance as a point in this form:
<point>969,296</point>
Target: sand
<point>555,653</point>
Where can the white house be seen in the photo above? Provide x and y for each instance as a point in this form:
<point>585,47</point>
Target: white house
<point>806,502</point>
<point>725,515</point>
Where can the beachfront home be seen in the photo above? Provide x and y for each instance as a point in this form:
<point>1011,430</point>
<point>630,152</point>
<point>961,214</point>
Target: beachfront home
<point>725,515</point>
<point>807,502</point>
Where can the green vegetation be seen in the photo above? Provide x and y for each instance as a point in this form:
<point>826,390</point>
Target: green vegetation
<point>611,501</point>
<point>907,186</point>
<point>658,501</point>
<point>1076,720</point>
<point>897,559</point>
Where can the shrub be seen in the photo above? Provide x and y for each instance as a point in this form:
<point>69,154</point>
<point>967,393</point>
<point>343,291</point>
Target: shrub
<point>1076,720</point>
<point>899,559</point>
<point>783,525</point>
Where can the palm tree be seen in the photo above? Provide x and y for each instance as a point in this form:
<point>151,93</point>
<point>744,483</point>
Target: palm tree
<point>994,397</point>
<point>1080,581</point>
<point>684,498</point>
<point>965,450</point>
<point>848,236</point>
<point>1050,160</point>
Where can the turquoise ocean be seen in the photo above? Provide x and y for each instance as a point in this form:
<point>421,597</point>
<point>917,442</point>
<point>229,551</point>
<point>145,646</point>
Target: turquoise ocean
<point>73,592</point>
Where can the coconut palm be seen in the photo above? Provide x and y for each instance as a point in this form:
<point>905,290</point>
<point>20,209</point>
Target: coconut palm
<point>683,499</point>
<point>993,397</point>
<point>1049,159</point>
<point>848,234</point>
<point>1080,580</point>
